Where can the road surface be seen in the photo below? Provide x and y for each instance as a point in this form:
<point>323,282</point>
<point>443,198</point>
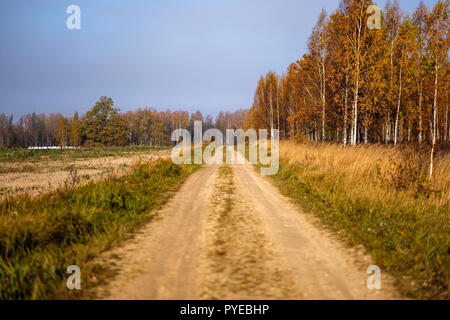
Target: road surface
<point>228,233</point>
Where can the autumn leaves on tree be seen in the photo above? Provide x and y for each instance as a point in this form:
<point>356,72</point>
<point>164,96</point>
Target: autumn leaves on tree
<point>358,84</point>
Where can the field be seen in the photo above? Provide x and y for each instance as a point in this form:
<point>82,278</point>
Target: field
<point>36,172</point>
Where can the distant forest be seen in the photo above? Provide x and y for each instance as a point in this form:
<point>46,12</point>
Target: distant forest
<point>104,125</point>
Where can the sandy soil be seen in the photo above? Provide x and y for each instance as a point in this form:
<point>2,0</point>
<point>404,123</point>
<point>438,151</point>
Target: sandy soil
<point>239,260</point>
<point>230,234</point>
<point>161,261</point>
<point>36,178</point>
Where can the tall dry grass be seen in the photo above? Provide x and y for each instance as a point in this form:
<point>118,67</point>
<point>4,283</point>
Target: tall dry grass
<point>379,197</point>
<point>381,167</point>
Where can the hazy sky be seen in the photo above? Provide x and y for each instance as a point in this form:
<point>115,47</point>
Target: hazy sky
<point>190,54</point>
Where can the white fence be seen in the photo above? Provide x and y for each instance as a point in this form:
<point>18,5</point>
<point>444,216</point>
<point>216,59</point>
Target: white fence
<point>52,147</point>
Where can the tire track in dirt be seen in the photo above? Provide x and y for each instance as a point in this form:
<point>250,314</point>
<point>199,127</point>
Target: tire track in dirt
<point>238,260</point>
<point>162,260</point>
<point>324,268</point>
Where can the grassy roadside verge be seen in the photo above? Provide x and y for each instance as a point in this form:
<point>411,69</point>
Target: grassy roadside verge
<point>406,232</point>
<point>40,237</point>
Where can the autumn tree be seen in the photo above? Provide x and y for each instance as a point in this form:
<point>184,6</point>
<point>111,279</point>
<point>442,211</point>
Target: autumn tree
<point>404,50</point>
<point>75,130</point>
<point>392,20</point>
<point>6,130</point>
<point>62,132</point>
<point>437,57</point>
<point>103,125</point>
<point>420,17</point>
<point>318,57</point>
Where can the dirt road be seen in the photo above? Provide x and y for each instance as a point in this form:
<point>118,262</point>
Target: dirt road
<point>229,234</point>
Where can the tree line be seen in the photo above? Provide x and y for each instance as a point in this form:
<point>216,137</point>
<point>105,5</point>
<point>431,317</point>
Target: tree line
<point>361,85</point>
<point>104,125</point>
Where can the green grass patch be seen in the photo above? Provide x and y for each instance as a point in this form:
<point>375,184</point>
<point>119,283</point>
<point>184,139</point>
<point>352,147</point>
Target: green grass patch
<point>407,236</point>
<point>41,237</point>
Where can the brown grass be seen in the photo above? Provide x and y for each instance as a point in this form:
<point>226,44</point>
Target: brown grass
<point>37,177</point>
<point>376,166</point>
<point>379,197</point>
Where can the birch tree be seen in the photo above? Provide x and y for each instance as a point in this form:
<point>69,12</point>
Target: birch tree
<point>438,46</point>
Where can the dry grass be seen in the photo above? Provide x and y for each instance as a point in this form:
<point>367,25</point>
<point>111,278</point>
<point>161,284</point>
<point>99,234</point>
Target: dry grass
<point>373,169</point>
<point>36,177</point>
<point>380,197</point>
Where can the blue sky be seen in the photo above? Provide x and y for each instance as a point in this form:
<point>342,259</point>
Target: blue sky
<point>191,54</point>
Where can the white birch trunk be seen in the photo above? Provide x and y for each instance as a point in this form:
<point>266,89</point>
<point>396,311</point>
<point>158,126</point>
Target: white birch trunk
<point>433,138</point>
<point>398,106</point>
<point>345,112</point>
<point>420,114</point>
